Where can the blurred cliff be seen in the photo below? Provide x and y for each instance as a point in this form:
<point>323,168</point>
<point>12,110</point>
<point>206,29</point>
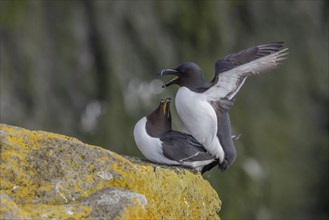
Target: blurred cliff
<point>88,69</point>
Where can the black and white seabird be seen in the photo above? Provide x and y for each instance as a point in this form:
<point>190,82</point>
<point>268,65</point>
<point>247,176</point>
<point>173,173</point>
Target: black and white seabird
<point>197,100</point>
<point>160,144</point>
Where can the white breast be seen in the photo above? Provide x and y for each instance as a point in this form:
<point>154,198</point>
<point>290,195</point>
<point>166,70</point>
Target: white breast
<point>150,147</point>
<point>200,119</point>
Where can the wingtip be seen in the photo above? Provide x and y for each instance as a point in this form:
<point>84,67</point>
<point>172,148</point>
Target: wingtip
<point>274,46</point>
<point>282,54</point>
<point>284,50</point>
<point>278,43</point>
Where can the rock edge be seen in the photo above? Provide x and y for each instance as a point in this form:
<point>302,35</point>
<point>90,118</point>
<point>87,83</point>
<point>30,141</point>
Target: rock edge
<point>47,175</point>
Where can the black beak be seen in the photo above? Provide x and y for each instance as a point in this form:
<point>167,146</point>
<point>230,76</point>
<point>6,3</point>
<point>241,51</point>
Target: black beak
<point>174,72</point>
<point>168,72</point>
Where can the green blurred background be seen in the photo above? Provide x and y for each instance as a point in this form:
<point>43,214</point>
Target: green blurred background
<point>88,69</point>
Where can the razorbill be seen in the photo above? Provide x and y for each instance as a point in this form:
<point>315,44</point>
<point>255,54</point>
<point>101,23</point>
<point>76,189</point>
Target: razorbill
<point>160,144</point>
<point>196,99</point>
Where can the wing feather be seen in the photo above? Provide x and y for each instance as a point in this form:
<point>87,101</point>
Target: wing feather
<point>182,147</point>
<point>227,83</point>
<point>236,59</point>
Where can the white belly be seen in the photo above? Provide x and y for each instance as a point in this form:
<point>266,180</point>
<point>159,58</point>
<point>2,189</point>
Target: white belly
<point>150,147</point>
<point>200,120</point>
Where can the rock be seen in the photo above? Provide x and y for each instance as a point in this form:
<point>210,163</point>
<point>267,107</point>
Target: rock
<point>47,175</point>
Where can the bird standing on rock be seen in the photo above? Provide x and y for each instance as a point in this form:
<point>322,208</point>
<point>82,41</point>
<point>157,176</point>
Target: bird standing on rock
<point>160,144</point>
<point>197,101</point>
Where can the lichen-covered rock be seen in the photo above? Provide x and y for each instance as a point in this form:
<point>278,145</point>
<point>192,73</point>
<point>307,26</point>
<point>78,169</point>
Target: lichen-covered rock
<point>46,175</point>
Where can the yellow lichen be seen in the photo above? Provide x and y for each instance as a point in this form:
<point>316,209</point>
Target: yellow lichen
<point>41,179</point>
<point>61,212</point>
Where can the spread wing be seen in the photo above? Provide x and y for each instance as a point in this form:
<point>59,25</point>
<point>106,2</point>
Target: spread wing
<point>182,147</point>
<point>232,70</point>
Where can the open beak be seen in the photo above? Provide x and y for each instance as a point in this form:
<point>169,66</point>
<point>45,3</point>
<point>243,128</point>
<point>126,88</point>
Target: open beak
<point>174,72</point>
<point>166,107</point>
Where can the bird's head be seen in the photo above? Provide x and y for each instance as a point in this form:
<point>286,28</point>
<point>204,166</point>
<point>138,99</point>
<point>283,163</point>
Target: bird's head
<point>187,74</point>
<point>159,121</point>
